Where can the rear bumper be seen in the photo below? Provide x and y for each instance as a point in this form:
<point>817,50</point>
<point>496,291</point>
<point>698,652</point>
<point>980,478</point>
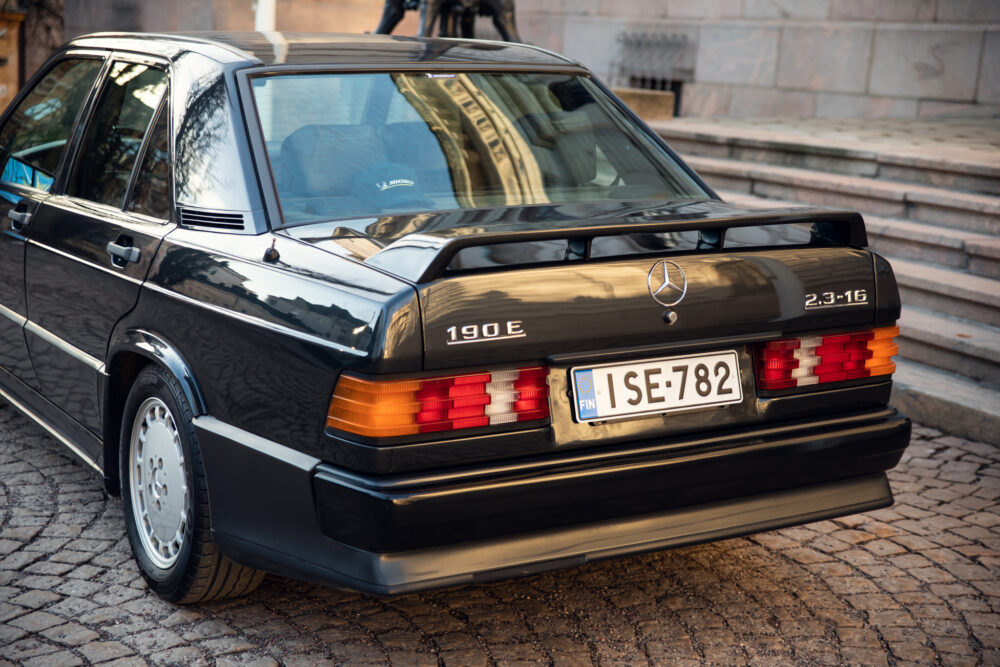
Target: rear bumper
<point>286,512</point>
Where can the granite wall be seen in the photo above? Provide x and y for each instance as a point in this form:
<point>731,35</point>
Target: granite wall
<point>802,58</point>
<point>749,58</point>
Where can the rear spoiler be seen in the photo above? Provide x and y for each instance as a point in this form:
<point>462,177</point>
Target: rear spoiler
<point>424,256</point>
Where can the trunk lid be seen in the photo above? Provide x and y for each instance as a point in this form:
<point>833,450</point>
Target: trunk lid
<point>593,307</point>
<point>518,284</point>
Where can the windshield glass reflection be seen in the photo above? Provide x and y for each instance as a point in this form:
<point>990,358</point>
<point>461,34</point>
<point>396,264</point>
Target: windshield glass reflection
<point>350,145</point>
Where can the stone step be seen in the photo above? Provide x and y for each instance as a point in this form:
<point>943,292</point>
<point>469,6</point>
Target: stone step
<point>960,210</point>
<point>936,398</point>
<point>984,256</point>
<point>947,291</point>
<point>953,248</point>
<point>919,241</point>
<point>958,346</point>
<point>843,155</point>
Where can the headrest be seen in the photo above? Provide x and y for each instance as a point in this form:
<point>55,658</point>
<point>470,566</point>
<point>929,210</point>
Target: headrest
<point>323,159</point>
<point>390,185</point>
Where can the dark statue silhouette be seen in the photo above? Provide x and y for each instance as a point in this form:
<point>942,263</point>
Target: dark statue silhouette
<point>456,17</point>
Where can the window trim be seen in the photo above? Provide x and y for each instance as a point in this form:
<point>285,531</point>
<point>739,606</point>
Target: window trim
<point>67,169</point>
<point>71,138</point>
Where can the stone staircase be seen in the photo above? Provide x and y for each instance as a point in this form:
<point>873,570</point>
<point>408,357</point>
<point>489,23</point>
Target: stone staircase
<point>935,215</point>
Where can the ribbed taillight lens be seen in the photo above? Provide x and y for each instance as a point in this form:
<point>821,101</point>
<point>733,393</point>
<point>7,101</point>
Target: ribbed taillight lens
<point>392,408</point>
<point>799,362</point>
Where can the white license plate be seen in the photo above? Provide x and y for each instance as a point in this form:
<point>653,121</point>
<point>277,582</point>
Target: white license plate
<point>614,391</point>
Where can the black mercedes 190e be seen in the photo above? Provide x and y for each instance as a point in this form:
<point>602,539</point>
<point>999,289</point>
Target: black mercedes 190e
<point>392,314</point>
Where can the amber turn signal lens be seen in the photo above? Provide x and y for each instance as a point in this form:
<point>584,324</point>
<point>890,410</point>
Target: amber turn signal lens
<point>394,408</point>
<point>799,362</point>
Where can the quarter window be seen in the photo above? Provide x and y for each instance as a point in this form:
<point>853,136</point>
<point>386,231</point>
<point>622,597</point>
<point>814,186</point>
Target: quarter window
<point>111,144</point>
<point>34,137</point>
<point>151,192</point>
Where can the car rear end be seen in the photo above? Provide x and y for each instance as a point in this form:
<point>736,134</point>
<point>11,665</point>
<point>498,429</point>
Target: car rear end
<point>613,360</point>
<point>569,411</point>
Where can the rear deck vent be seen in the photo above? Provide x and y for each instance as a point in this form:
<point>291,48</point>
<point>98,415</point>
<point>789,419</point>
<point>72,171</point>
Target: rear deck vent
<point>192,217</point>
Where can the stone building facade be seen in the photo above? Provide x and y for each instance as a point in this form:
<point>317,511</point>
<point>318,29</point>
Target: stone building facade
<point>743,58</point>
<point>801,58</point>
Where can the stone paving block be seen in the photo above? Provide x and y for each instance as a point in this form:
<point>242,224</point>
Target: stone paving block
<point>926,62</point>
<point>48,567</point>
<point>9,634</point>
<point>70,634</point>
<point>28,647</point>
<point>19,559</point>
<point>36,599</point>
<point>58,659</point>
<point>36,621</point>
<point>103,651</point>
<point>152,639</point>
<point>8,611</point>
<point>473,658</point>
<point>227,645</point>
<point>131,661</point>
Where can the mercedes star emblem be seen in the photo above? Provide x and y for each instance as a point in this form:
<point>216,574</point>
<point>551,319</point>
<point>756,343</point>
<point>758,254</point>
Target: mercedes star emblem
<point>662,286</point>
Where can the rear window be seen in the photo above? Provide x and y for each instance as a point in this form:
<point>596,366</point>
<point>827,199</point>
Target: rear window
<point>355,145</point>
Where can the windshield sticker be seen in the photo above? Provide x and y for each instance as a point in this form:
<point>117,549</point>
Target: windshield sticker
<point>395,183</point>
<point>440,76</point>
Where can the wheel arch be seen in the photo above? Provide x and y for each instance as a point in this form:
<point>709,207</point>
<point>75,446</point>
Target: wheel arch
<point>132,351</point>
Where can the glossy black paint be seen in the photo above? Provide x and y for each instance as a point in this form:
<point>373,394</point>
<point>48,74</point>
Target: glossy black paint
<point>268,341</point>
<point>64,428</point>
<point>278,528</point>
<point>427,254</point>
<point>405,513</point>
<point>13,309</point>
<point>76,293</point>
<point>258,347</point>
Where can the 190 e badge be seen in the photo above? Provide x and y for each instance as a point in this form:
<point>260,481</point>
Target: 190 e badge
<point>483,332</point>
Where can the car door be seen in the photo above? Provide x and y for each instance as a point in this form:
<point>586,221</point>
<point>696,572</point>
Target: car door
<point>91,242</point>
<point>33,140</point>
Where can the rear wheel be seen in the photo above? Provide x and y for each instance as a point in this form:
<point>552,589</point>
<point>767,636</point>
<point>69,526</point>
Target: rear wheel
<point>165,497</point>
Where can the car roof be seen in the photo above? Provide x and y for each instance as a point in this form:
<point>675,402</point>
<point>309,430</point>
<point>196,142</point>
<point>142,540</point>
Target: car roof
<point>299,48</point>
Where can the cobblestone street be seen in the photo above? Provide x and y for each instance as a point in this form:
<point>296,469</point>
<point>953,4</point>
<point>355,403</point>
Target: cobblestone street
<point>919,582</point>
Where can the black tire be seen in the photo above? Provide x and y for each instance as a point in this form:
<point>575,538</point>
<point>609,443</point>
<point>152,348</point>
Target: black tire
<point>195,571</point>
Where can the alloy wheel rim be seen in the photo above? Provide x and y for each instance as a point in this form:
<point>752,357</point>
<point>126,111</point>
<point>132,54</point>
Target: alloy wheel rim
<point>158,483</point>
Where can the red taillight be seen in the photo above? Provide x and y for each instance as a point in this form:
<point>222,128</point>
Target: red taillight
<point>798,362</point>
<point>391,408</point>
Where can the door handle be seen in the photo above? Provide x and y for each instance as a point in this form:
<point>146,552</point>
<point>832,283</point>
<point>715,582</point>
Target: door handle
<point>125,253</point>
<point>18,220</point>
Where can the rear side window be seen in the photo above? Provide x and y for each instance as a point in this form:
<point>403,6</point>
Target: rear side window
<point>151,194</point>
<point>34,137</point>
<point>110,148</point>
